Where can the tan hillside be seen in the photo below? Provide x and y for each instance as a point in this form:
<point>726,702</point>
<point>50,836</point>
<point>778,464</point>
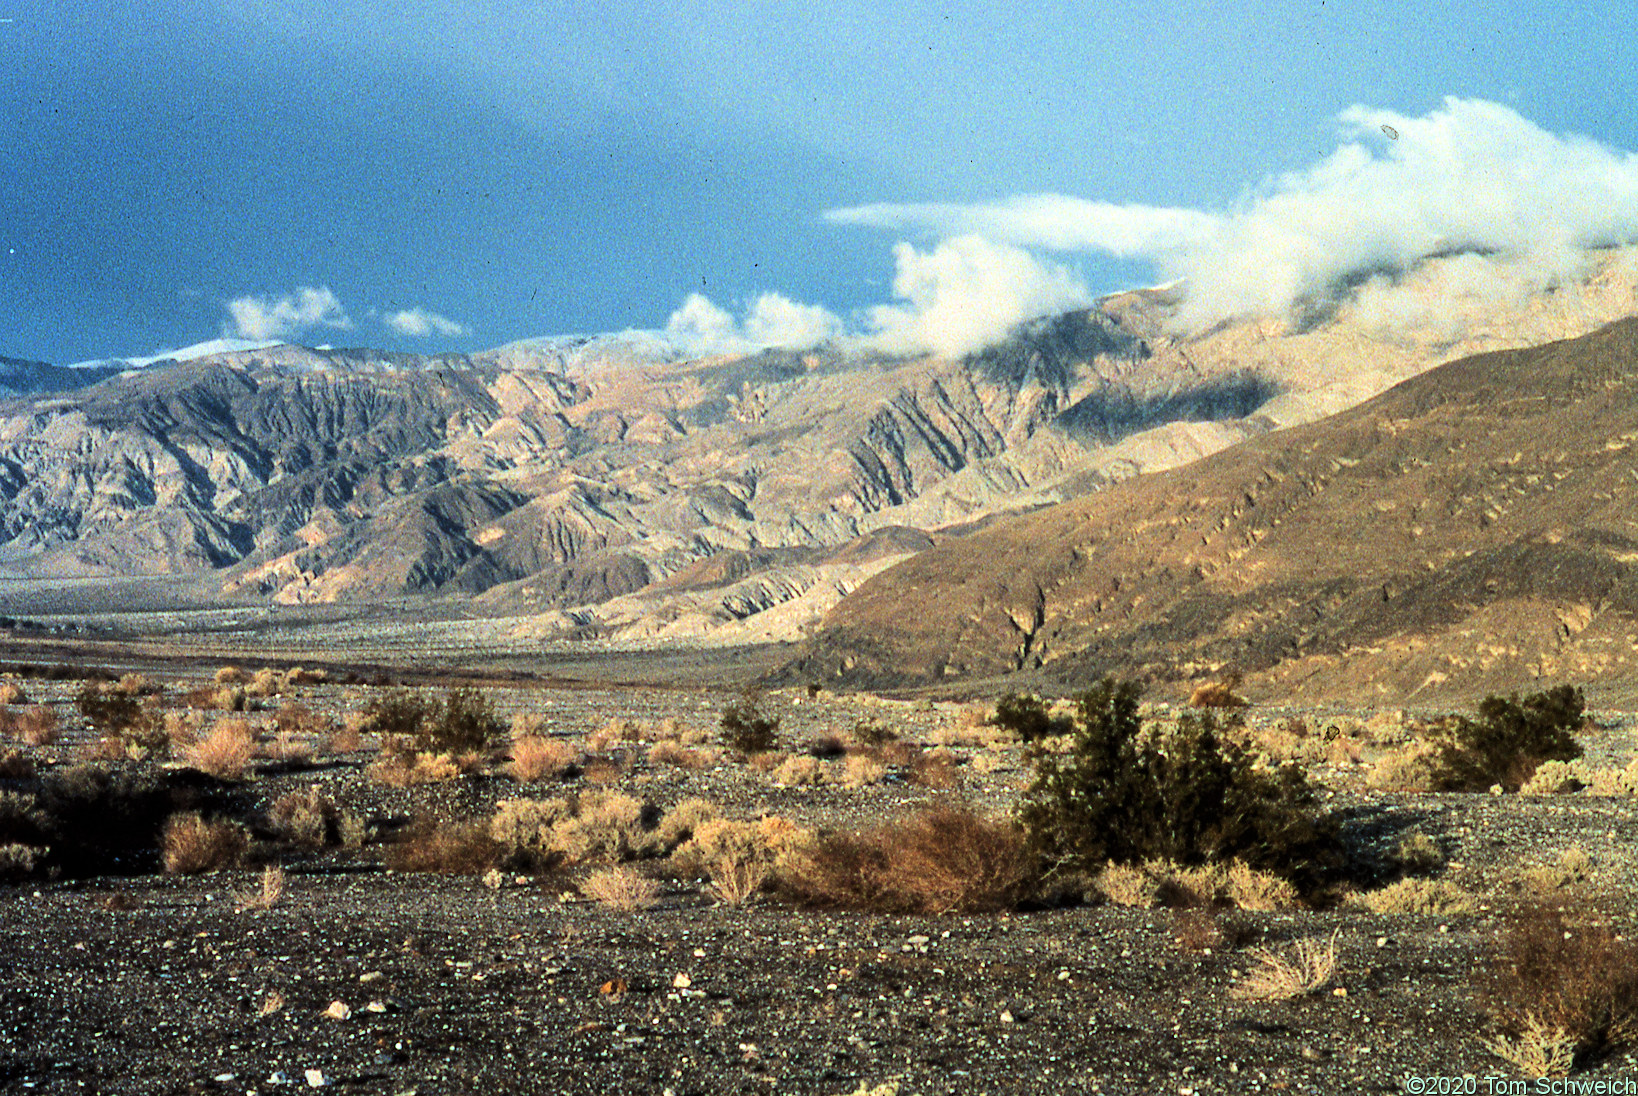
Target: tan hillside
<point>1473,528</point>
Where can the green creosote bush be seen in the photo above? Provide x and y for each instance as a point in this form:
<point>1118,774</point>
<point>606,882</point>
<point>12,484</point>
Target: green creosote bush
<point>747,728</point>
<point>1183,794</point>
<point>1509,740</point>
<point>1027,717</point>
<point>462,722</point>
<point>119,715</point>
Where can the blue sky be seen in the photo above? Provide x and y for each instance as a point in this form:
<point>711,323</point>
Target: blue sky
<point>457,175</point>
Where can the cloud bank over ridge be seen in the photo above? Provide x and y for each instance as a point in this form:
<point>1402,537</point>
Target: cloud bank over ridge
<point>1521,207</point>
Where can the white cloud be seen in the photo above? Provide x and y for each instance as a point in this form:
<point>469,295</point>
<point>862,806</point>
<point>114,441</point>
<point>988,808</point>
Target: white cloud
<point>419,323</point>
<point>967,293</point>
<point>701,327</point>
<point>286,317</point>
<point>1471,176</point>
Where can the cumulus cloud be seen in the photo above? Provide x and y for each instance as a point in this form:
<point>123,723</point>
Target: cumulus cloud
<point>702,327</point>
<point>286,317</point>
<point>966,293</point>
<point>1471,177</point>
<point>419,323</point>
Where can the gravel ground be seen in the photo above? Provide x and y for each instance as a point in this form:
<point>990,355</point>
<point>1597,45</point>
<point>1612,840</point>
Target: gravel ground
<point>148,983</point>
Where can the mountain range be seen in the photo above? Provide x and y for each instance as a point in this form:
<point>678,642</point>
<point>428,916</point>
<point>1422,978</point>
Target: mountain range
<point>611,488</point>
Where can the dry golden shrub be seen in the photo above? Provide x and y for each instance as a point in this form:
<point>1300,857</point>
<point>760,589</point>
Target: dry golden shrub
<point>1564,974</point>
<point>344,739</point>
<point>300,675</point>
<point>1411,768</point>
<point>12,693</point>
<point>134,684</point>
<point>861,770</point>
<point>621,888</point>
<point>1307,966</point>
<point>306,818</point>
<point>265,682</point>
<point>523,829</point>
<point>800,771</point>
<point>535,757</point>
<point>230,675</point>
<point>38,725</point>
<point>674,753</point>
<point>669,729</point>
<point>1615,782</point>
<point>770,841</point>
<point>942,859</point>
<point>935,769</point>
<point>616,732</point>
<point>767,761</point>
<point>680,822</point>
<point>1412,895</point>
<point>193,845</point>
<point>449,848</point>
<point>265,895</point>
<point>1573,866</point>
<point>1217,694</point>
<point>1416,853</point>
<point>401,766</point>
<point>1129,885</point>
<point>608,826</point>
<point>1250,889</point>
<point>225,752</point>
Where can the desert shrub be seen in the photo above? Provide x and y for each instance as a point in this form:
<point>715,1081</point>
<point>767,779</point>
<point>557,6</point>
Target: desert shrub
<point>1307,966</point>
<point>397,713</point>
<point>1178,886</point>
<point>873,732</point>
<point>294,718</point>
<point>37,725</point>
<point>1413,767</point>
<point>671,752</point>
<point>1573,866</point>
<point>265,682</point>
<point>1550,974</point>
<point>15,766</point>
<point>767,843</point>
<point>1416,854</point>
<point>523,830</point>
<point>445,848</point>
<point>229,675</point>
<point>535,757</point>
<point>681,821</point>
<point>608,826</point>
<point>827,747</point>
<point>1028,718</point>
<point>193,845</point>
<point>1217,694</point>
<point>621,888</point>
<point>306,818</point>
<point>616,732</point>
<point>934,769</point>
<point>400,765</point>
<point>120,718</point>
<point>1423,896</point>
<point>797,771</point>
<point>1509,740</point>
<point>1180,794</point>
<point>1536,1050</point>
<point>860,770</point>
<point>1615,782</point>
<point>226,752</point>
<point>1556,778</point>
<point>463,722</point>
<point>98,822</point>
<point>267,893</point>
<point>18,862</point>
<point>748,729</point>
<point>942,859</point>
<point>134,685</point>
<point>12,693</point>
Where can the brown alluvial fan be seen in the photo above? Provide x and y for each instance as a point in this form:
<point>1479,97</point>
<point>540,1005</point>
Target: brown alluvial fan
<point>1471,529</point>
<point>610,488</point>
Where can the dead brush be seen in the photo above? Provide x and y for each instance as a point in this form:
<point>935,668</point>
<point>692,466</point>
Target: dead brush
<point>400,765</point>
<point>225,752</point>
<point>306,818</point>
<point>193,845</point>
<point>268,892</point>
<point>1304,968</point>
<point>446,848</point>
<point>621,888</point>
<point>1552,973</point>
<point>37,725</point>
<point>12,693</point>
<point>942,859</point>
<point>536,757</point>
<point>677,755</point>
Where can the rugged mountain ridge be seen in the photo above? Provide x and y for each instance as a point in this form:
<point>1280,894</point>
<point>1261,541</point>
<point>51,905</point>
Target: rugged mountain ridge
<point>610,487</point>
<point>1470,529</point>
